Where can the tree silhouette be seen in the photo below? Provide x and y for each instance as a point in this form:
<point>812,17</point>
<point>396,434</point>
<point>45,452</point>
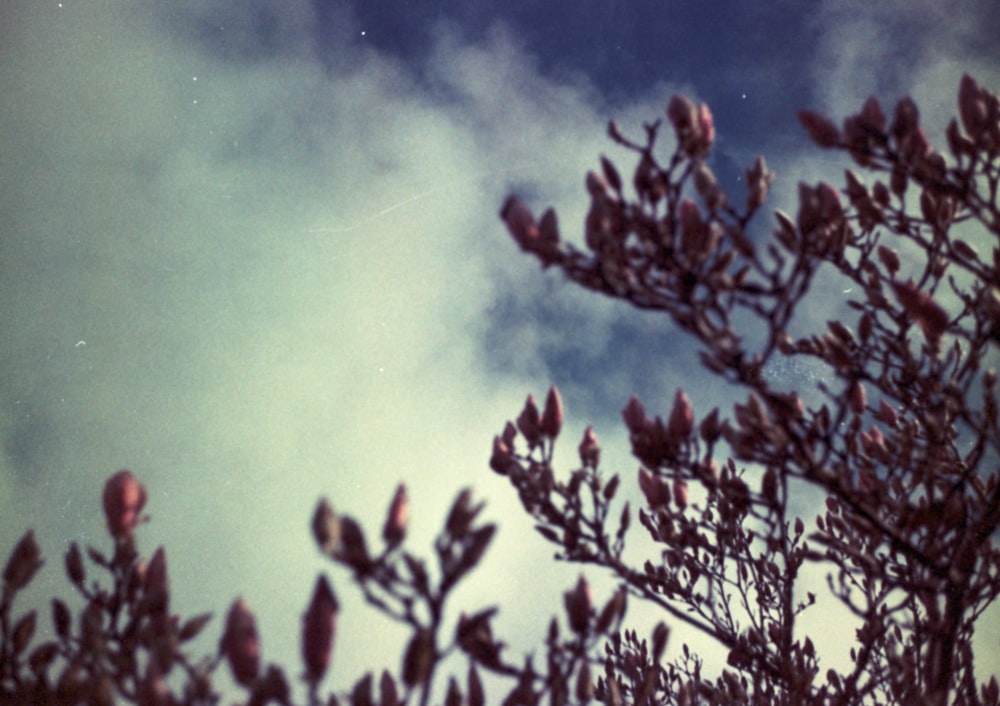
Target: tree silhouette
<point>901,436</point>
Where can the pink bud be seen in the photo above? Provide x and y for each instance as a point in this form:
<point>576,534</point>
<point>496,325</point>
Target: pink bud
<point>924,311</point>
<point>529,422</point>
<point>680,493</point>
<point>634,415</point>
<point>889,258</point>
<point>820,130</point>
<point>681,113</point>
<point>399,515</point>
<point>887,414</point>
<point>693,125</point>
<point>124,498</point>
<point>319,625</point>
<point>520,222</point>
<point>872,117</point>
<point>509,434</point>
<point>240,644</point>
<point>578,605</point>
<point>552,418</point>
<point>501,457</point>
<point>858,398</point>
<point>681,422</point>
<point>972,107</point>
<point>706,127</point>
<point>656,491</point>
<point>590,450</point>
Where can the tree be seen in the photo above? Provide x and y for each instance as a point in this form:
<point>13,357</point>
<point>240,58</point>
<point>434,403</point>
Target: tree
<point>901,438</point>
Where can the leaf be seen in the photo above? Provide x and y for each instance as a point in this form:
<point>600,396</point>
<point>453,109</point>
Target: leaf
<point>61,618</point>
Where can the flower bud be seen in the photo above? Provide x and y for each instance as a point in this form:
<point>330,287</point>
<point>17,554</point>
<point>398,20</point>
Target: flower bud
<point>24,561</point>
<point>240,644</point>
<point>578,605</point>
<point>501,457</point>
<point>656,491</point>
<point>889,258</point>
<point>680,493</point>
<point>399,515</point>
<point>681,422</point>
<point>552,417</point>
<point>634,415</point>
<point>318,627</point>
<point>326,527</point>
<point>520,222</point>
<point>858,398</point>
<point>887,414</point>
<point>820,130</point>
<point>124,498</point>
<point>590,450</point>
<point>529,422</point>
<point>922,309</point>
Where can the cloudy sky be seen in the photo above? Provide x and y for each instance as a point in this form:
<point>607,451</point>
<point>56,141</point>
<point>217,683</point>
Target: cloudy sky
<point>250,250</point>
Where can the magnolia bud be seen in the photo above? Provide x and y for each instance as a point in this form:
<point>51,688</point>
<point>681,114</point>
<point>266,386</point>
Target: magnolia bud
<point>680,493</point>
<point>501,457</point>
<point>240,644</point>
<point>529,422</point>
<point>578,605</point>
<point>656,491</point>
<point>399,515</point>
<point>326,527</point>
<point>520,222</point>
<point>552,417</point>
<point>924,311</point>
<point>124,498</point>
<point>634,415</point>
<point>318,627</point>
<point>820,130</point>
<point>857,398</point>
<point>681,422</point>
<point>589,449</point>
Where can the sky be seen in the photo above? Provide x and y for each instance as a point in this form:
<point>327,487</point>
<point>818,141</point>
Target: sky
<point>251,252</point>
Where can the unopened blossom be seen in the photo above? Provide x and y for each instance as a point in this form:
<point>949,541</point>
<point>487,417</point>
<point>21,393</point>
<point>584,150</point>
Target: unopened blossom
<point>681,422</point>
<point>552,418</point>
<point>634,415</point>
<point>240,644</point>
<point>520,222</point>
<point>680,493</point>
<point>922,310</point>
<point>857,398</point>
<point>398,517</point>
<point>124,497</point>
<point>657,492</point>
<point>693,125</point>
<point>590,450</point>
<point>529,422</point>
<point>501,457</point>
<point>579,604</point>
<point>318,627</point>
<point>822,131</point>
